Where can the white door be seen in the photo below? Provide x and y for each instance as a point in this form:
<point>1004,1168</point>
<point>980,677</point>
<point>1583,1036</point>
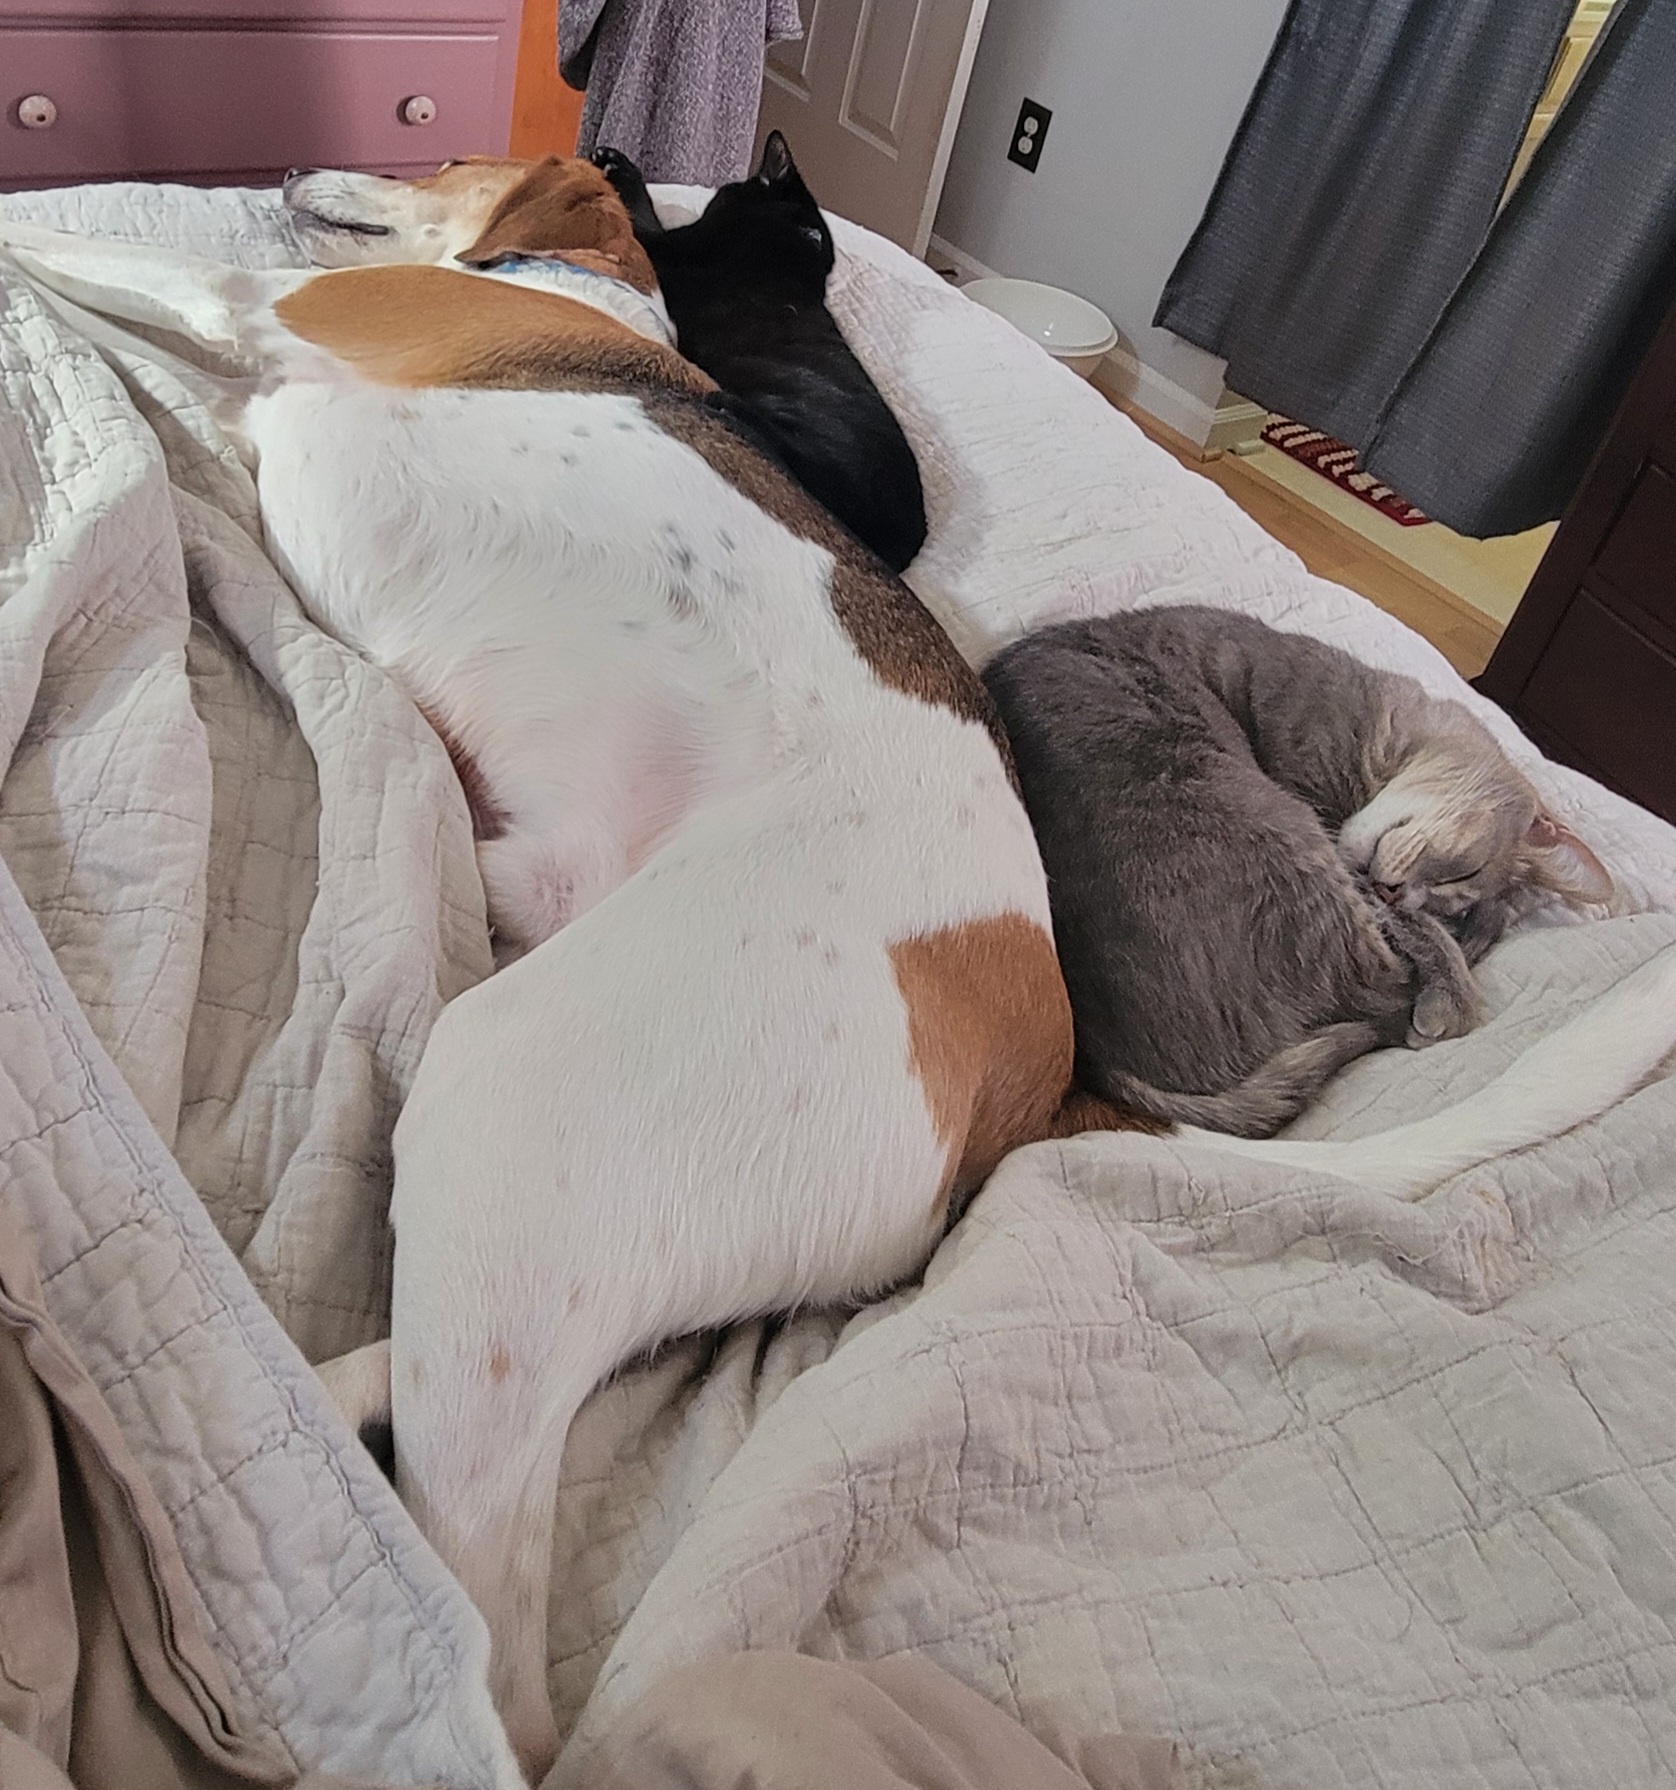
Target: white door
<point>869,100</point>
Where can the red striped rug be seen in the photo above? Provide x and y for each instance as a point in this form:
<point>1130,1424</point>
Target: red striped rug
<point>1337,461</point>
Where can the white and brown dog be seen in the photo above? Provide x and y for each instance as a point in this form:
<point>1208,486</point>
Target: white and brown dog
<point>788,988</point>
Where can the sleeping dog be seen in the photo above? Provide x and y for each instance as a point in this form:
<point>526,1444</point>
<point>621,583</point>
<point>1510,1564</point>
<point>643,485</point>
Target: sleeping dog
<point>787,990</point>
<point>797,991</point>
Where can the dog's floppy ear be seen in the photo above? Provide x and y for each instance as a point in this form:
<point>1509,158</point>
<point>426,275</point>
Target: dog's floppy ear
<point>564,210</point>
<point>1560,861</point>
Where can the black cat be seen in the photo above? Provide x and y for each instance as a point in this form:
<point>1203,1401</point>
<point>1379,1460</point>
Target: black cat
<point>745,285</point>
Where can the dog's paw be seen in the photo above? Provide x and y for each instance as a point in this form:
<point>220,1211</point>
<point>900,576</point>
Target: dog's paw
<point>359,1384</point>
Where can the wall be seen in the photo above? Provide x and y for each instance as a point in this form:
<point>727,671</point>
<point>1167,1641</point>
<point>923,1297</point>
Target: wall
<point>1145,95</point>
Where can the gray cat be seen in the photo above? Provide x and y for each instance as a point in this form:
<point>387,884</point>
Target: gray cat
<point>1264,857</point>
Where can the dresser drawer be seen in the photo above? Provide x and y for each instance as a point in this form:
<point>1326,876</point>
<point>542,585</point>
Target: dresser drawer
<point>137,103</point>
<point>1639,555</point>
<point>1610,695</point>
<point>416,15</point>
<point>1664,441</point>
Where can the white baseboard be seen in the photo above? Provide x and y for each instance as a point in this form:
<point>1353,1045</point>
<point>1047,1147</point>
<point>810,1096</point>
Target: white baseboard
<point>1238,427</point>
<point>1121,374</point>
<point>940,252</point>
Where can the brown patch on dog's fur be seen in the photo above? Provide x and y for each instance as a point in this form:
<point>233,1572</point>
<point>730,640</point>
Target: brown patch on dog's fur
<point>474,183</point>
<point>428,326</point>
<point>890,627</point>
<point>488,819</point>
<point>431,326</point>
<point>989,1037</point>
<point>990,1041</point>
<point>565,208</point>
<point>906,646</point>
<point>500,1363</point>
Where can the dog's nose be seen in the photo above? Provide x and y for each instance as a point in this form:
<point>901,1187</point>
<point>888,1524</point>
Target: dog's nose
<point>1389,893</point>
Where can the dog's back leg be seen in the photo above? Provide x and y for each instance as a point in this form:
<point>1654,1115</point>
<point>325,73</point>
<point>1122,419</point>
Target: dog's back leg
<point>516,1292</point>
<point>479,1438</point>
<point>524,1275</point>
<point>654,1123</point>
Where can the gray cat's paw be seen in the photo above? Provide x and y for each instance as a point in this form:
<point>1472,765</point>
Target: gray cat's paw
<point>1442,1012</point>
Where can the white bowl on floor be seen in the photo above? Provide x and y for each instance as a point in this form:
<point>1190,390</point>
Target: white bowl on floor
<point>1077,334</point>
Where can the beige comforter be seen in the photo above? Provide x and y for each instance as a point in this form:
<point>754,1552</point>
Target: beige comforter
<point>1332,1490</point>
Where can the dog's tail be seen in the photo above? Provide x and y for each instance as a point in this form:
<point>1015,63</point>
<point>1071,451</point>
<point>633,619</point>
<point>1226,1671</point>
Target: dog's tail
<point>1271,1096</point>
<point>1573,1075</point>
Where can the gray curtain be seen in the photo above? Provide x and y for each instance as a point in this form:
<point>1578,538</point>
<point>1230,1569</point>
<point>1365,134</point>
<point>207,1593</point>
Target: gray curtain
<point>1357,193</point>
<point>1493,427</point>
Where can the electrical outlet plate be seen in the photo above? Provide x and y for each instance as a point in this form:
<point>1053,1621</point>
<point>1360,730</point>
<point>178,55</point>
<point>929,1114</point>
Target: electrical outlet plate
<point>1026,146</point>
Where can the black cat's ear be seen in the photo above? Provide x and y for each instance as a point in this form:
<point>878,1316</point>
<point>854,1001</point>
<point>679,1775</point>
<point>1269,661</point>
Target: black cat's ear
<point>776,167</point>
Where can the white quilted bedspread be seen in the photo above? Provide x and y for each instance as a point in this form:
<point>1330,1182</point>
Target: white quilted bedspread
<point>1336,1491</point>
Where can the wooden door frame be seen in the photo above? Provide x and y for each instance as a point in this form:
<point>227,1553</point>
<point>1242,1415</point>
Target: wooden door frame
<point>951,124</point>
<point>545,112</point>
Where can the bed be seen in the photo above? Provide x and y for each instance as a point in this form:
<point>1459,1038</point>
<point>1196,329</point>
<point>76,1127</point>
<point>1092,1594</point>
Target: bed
<point>1329,1490</point>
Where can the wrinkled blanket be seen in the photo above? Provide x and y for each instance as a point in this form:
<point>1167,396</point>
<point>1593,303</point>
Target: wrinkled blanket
<point>784,1721</point>
<point>106,1674</point>
<point>1329,1489</point>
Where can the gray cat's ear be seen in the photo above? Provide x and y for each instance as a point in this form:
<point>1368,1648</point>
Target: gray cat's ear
<point>1560,861</point>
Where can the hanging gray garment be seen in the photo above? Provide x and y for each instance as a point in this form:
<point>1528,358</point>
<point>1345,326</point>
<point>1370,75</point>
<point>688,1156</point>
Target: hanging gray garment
<point>1359,187</point>
<point>1495,425</point>
<point>675,84</point>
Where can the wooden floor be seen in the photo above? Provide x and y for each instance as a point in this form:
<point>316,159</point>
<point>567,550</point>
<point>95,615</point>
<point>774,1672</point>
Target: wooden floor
<point>1461,633</point>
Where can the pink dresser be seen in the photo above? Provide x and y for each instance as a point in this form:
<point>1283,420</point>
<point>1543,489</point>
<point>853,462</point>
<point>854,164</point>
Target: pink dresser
<point>237,91</point>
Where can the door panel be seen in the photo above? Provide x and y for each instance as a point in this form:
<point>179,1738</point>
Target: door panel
<point>879,71</point>
<point>788,62</point>
<point>869,102</point>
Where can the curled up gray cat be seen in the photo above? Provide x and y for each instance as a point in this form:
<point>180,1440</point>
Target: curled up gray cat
<point>1264,857</point>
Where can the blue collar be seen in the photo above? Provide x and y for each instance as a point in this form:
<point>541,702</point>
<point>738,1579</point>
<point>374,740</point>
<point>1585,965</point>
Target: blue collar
<point>552,270</point>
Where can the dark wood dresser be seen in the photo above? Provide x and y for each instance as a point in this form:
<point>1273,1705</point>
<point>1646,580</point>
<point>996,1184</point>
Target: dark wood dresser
<point>1587,666</point>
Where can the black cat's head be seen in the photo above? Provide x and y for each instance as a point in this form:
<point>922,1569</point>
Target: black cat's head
<point>771,217</point>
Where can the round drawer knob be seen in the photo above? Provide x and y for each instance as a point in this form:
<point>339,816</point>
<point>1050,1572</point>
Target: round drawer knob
<point>36,112</point>
<point>420,109</point>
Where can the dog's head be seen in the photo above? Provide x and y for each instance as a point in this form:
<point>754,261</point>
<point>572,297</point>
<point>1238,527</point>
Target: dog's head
<point>477,212</point>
